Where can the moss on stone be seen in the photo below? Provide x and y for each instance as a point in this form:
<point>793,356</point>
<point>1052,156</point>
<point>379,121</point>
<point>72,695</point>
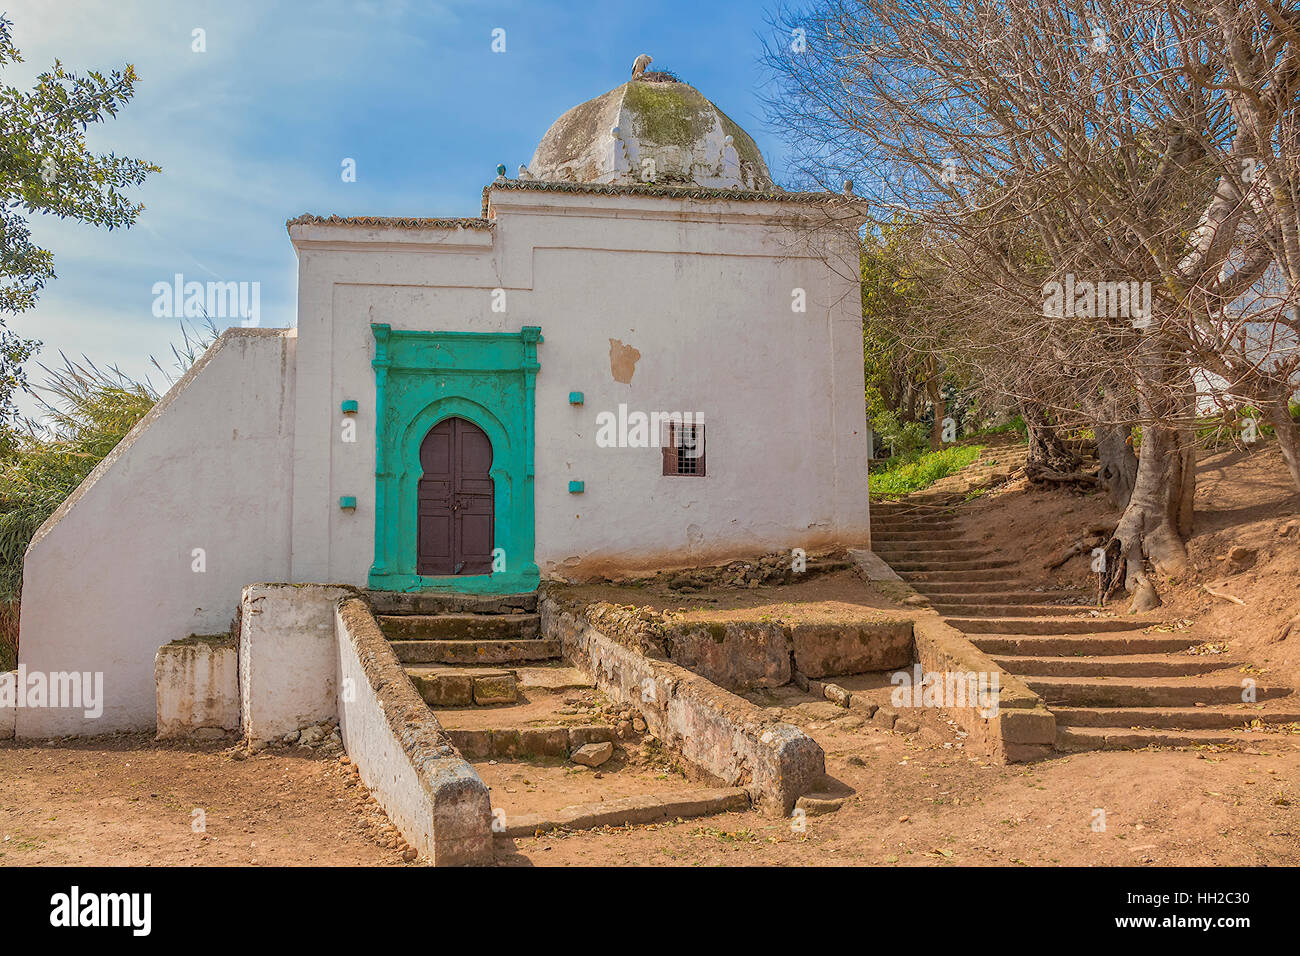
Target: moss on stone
<point>668,114</point>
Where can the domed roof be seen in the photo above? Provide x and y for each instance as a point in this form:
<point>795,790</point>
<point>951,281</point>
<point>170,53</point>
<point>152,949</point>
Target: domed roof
<point>650,130</point>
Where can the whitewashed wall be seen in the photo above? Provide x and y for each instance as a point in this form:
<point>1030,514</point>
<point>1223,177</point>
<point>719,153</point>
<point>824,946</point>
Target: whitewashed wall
<point>702,289</point>
<point>109,577</point>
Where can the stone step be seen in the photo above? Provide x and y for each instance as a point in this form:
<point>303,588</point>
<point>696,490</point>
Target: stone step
<point>476,652</point>
<point>629,811</point>
<point>930,550</point>
<point>508,743</point>
<point>1077,739</point>
<point>1048,625</point>
<point>912,534</point>
<point>979,564</point>
<point>550,678</point>
<point>961,596</point>
<point>1000,586</point>
<point>914,526</point>
<point>428,602</point>
<point>1128,665</point>
<point>1007,610</point>
<point>1144,691</point>
<point>464,686</point>
<point>994,575</point>
<point>1080,645</point>
<point>460,627</point>
<point>1180,718</point>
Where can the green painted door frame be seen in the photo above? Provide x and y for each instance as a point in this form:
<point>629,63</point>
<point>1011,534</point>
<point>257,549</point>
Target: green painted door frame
<point>422,378</point>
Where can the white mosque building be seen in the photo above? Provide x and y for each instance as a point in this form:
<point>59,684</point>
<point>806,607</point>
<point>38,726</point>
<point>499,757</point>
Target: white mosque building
<point>641,355</point>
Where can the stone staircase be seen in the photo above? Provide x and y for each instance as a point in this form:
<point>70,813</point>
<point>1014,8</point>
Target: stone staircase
<point>463,649</point>
<point>1112,683</point>
<point>499,688</point>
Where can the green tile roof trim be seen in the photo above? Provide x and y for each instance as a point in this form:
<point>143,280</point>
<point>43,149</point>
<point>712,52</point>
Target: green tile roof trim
<point>661,192</point>
<point>390,222</point>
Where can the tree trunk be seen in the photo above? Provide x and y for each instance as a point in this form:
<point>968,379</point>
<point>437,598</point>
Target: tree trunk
<point>1119,464</point>
<point>1050,460</point>
<point>1288,435</point>
<point>1158,519</point>
<point>938,406</point>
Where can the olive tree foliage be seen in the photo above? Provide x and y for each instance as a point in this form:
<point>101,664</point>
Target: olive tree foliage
<point>46,168</point>
<point>1111,188</point>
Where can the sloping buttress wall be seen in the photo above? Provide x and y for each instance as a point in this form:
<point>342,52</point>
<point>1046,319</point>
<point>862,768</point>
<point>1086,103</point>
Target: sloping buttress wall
<point>161,537</point>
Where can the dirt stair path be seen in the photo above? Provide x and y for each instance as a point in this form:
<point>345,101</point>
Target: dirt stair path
<point>1112,682</point>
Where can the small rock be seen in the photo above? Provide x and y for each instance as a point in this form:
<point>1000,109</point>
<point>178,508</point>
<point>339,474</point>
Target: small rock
<point>209,733</point>
<point>902,726</point>
<point>816,804</point>
<point>292,736</point>
<point>311,736</point>
<point>638,724</point>
<point>409,855</point>
<point>256,746</point>
<point>624,728</point>
<point>592,755</point>
<point>884,717</point>
<point>1239,558</point>
<point>239,755</point>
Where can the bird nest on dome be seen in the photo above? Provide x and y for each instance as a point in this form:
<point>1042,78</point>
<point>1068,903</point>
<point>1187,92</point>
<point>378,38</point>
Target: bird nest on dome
<point>658,76</point>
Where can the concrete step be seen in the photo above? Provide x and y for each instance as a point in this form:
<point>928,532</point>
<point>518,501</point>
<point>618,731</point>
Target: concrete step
<point>460,626</point>
<point>1180,718</point>
<point>903,526</point>
<point>464,686</point>
<point>1116,665</point>
<point>428,602</point>
<point>1007,610</point>
<point>476,652</point>
<point>1077,739</point>
<point>628,811</point>
<point>550,678</point>
<point>1045,625</point>
<point>1144,691</point>
<point>1080,645</point>
<point>962,596</point>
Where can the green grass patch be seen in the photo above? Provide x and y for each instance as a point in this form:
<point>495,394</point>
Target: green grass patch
<point>904,474</point>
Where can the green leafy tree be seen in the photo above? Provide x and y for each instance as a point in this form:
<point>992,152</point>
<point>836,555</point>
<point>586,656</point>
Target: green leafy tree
<point>46,168</point>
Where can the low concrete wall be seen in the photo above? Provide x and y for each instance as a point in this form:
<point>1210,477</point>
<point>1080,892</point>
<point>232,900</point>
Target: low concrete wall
<point>717,731</point>
<point>197,684</point>
<point>287,657</point>
<point>429,791</point>
<point>737,656</point>
<point>9,715</point>
<point>1022,728</point>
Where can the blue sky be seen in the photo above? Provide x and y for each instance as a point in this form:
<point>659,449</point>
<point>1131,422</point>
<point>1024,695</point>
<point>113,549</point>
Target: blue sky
<point>254,130</point>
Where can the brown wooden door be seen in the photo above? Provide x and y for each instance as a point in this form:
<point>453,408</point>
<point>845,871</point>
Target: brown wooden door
<point>456,500</point>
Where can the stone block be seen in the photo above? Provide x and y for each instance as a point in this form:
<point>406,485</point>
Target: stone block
<point>823,650</point>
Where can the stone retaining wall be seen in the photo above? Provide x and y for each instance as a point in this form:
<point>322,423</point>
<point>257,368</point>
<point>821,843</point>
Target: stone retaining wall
<point>724,735</point>
<point>429,791</point>
<point>1022,727</point>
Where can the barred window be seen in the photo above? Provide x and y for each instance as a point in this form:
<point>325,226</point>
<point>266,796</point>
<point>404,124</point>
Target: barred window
<point>682,444</point>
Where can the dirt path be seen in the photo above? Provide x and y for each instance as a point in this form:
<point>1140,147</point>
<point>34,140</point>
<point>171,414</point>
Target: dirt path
<point>125,800</point>
<point>918,803</point>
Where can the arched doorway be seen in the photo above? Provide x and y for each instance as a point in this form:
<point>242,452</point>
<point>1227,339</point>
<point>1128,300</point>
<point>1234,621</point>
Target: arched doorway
<point>456,500</point>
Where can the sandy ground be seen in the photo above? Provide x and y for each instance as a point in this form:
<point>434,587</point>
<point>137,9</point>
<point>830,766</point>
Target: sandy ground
<point>126,800</point>
<point>915,802</point>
